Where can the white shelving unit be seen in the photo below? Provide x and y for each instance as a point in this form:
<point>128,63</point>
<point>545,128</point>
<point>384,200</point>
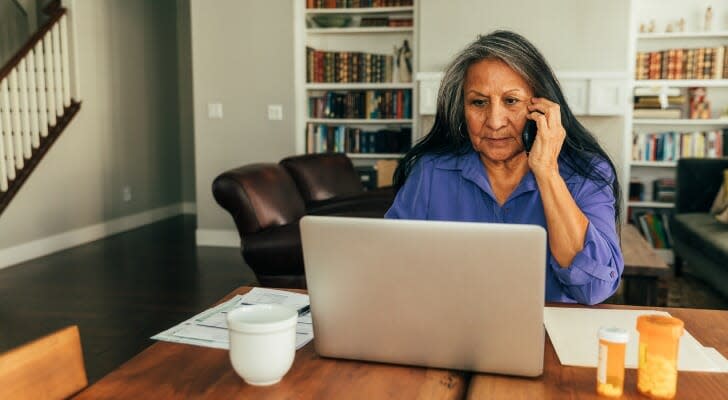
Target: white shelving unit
<point>661,13</point>
<point>703,123</point>
<point>650,204</point>
<point>683,35</point>
<point>359,11</point>
<point>352,38</point>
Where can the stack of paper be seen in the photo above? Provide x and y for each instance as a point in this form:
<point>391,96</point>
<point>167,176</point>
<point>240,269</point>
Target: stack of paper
<point>573,332</point>
<point>209,328</point>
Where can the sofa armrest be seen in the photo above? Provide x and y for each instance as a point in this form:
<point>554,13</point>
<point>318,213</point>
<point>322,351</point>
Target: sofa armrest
<point>258,196</point>
<point>698,181</point>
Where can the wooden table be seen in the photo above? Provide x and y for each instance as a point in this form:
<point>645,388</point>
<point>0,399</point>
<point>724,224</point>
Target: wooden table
<point>709,327</point>
<point>178,371</point>
<point>644,270</point>
<point>171,371</point>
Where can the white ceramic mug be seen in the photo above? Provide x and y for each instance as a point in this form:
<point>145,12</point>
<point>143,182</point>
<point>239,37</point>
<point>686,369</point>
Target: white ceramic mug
<point>262,342</point>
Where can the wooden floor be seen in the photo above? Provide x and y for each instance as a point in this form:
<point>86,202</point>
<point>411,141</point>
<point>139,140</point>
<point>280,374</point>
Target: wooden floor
<point>119,291</point>
<point>123,289</point>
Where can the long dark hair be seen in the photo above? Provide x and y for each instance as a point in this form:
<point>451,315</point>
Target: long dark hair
<point>580,151</point>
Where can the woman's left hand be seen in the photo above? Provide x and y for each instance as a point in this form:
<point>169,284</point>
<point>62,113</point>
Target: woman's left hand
<point>544,155</point>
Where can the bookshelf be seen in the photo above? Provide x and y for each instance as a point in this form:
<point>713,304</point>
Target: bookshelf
<point>667,119</point>
<point>351,94</point>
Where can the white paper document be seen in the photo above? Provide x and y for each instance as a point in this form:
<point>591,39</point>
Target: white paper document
<point>573,332</point>
<point>209,328</point>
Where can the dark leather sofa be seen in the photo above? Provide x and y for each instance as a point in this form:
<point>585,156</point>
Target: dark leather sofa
<point>267,200</point>
<point>698,238</point>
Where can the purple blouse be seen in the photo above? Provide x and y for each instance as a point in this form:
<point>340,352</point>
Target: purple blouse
<point>456,188</point>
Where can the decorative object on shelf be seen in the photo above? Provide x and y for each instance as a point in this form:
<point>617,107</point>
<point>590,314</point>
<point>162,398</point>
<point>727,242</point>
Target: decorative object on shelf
<point>668,29</point>
<point>723,113</point>
<point>642,27</point>
<point>403,55</point>
<point>331,21</point>
<point>651,26</point>
<point>708,19</point>
<point>699,104</point>
<point>681,25</point>
<point>636,189</point>
<point>720,205</point>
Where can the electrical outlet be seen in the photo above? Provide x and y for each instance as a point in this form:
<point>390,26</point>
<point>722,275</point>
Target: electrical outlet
<point>126,194</point>
<point>275,112</point>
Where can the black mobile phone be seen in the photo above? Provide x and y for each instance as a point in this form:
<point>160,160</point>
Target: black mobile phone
<point>529,134</point>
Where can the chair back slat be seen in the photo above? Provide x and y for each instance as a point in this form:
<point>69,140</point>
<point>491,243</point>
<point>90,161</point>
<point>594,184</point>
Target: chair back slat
<point>47,368</point>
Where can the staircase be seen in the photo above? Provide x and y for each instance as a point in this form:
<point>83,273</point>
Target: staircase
<point>38,98</point>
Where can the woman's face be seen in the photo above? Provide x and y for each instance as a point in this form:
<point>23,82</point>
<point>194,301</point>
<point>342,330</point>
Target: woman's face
<point>495,109</point>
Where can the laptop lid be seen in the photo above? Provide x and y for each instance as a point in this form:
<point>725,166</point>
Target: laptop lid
<point>455,295</point>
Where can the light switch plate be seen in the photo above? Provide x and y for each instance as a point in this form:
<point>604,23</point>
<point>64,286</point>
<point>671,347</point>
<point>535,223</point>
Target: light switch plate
<point>214,110</point>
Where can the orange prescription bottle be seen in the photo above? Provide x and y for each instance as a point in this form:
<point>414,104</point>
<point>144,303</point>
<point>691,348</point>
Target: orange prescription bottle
<point>658,347</point>
<point>610,368</point>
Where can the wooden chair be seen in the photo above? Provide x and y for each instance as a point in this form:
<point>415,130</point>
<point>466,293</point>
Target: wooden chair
<point>47,368</point>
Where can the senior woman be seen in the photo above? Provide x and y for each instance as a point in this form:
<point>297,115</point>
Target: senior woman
<point>472,166</point>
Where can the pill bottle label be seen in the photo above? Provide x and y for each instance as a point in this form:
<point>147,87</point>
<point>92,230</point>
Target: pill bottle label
<point>602,365</point>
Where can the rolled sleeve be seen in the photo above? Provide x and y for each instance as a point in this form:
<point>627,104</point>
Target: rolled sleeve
<point>595,271</point>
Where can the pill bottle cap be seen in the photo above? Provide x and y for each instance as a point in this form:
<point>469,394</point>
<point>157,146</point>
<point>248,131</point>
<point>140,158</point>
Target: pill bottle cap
<point>662,325</point>
<point>612,334</point>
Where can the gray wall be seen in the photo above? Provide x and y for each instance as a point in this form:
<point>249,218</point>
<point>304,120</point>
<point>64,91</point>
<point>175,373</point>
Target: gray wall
<point>242,57</point>
<point>127,132</point>
<point>186,114</point>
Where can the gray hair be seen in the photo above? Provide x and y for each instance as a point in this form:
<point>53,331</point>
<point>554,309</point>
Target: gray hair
<point>581,149</point>
<point>512,49</point>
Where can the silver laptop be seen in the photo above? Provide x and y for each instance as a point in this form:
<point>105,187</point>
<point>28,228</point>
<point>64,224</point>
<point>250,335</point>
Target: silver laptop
<point>454,295</point>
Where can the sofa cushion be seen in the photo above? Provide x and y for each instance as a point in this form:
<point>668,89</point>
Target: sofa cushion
<point>259,196</point>
<point>702,231</point>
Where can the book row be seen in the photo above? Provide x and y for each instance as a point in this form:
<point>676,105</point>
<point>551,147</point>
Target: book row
<point>663,190</point>
<point>343,139</point>
<point>363,104</point>
<point>700,63</point>
<point>655,227</point>
<point>391,21</point>
<point>670,146</point>
<point>356,3</point>
<point>348,67</point>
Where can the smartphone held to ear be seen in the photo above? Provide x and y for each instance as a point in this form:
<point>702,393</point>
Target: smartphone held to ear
<point>529,134</point>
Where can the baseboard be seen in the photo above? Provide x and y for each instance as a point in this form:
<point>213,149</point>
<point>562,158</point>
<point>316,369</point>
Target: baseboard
<point>41,247</point>
<point>189,207</point>
<point>217,237</point>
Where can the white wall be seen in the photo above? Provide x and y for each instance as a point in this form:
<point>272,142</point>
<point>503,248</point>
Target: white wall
<point>242,57</point>
<point>125,134</point>
<point>572,34</point>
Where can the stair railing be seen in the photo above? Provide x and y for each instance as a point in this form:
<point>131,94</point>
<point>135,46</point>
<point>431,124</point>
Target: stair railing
<point>37,101</point>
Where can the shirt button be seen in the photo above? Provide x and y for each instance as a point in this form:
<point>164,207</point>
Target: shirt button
<point>612,274</point>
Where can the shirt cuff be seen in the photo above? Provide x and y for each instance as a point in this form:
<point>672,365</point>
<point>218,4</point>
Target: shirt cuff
<point>595,260</point>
